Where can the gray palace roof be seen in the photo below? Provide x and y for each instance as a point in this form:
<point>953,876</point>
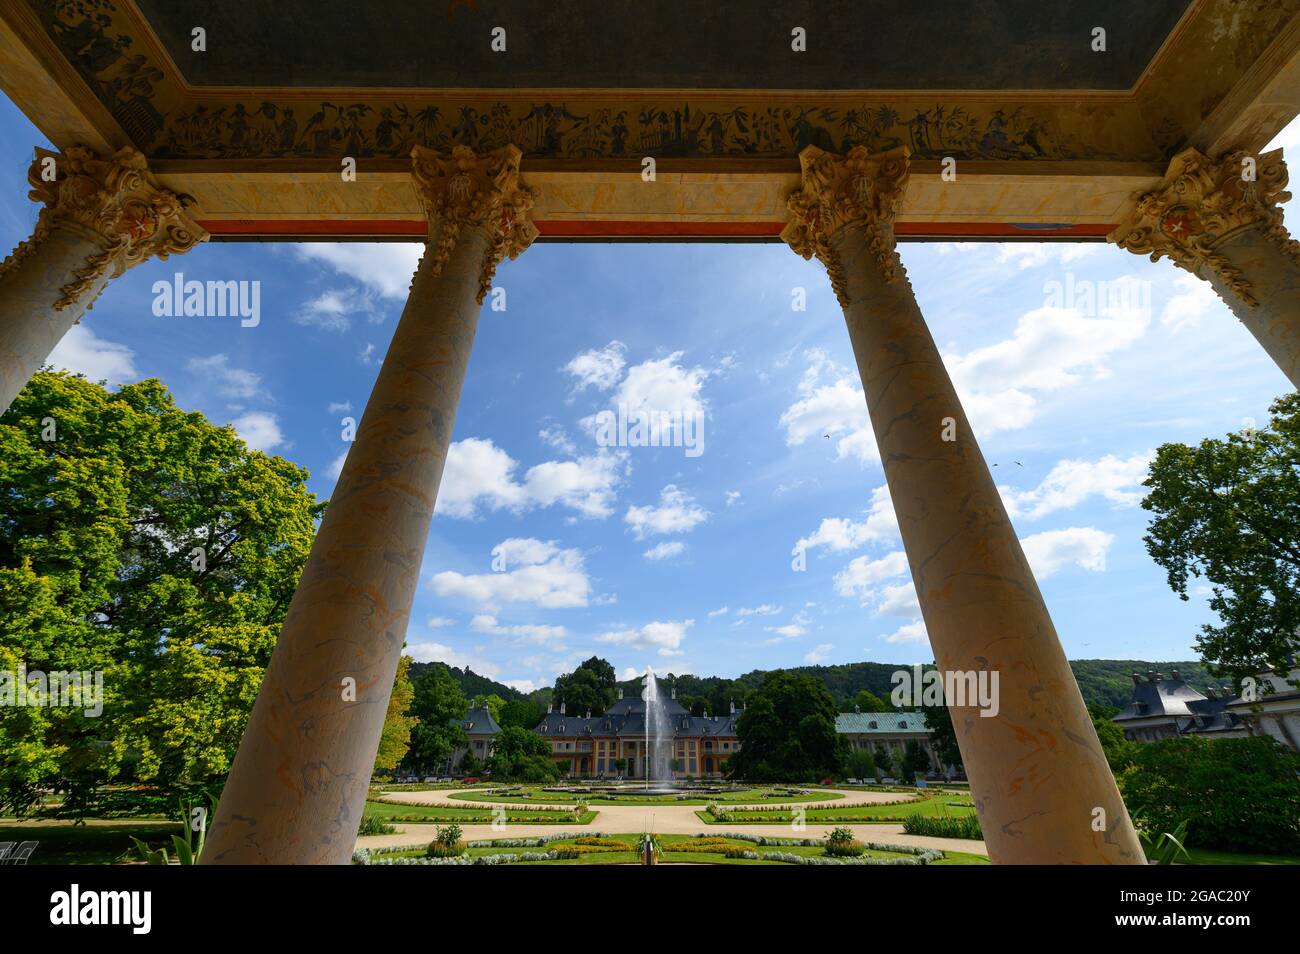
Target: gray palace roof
<point>626,719</point>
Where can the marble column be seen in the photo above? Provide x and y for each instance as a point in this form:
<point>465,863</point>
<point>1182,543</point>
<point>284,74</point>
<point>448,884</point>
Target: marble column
<point>1041,784</point>
<point>298,784</point>
<point>1220,220</point>
<point>101,216</point>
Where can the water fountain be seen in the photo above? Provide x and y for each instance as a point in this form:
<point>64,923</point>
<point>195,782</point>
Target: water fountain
<point>658,738</point>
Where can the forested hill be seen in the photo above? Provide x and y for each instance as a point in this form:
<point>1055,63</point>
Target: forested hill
<point>1102,681</point>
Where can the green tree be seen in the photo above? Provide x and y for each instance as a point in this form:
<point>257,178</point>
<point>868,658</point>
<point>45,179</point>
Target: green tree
<point>915,758</point>
<point>396,737</point>
<point>493,703</point>
<point>440,707</point>
<point>522,713</point>
<point>1118,750</point>
<point>942,735</point>
<point>146,543</point>
<point>787,731</point>
<point>1228,511</point>
<point>867,701</point>
<point>589,688</point>
<point>860,764</point>
<point>1235,794</point>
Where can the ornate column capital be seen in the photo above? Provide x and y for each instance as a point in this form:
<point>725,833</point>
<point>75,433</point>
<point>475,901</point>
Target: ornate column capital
<point>856,190</point>
<point>1202,202</point>
<point>473,191</point>
<point>115,203</point>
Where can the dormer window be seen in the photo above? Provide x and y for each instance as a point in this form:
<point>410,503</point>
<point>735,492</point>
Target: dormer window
<point>872,724</point>
<point>902,725</point>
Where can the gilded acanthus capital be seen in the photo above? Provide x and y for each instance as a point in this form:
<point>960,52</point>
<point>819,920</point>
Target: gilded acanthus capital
<point>473,191</point>
<point>856,190</point>
<point>1204,201</point>
<point>114,202</point>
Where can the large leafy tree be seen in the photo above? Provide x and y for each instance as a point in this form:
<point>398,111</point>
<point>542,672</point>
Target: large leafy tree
<point>440,707</point>
<point>146,543</point>
<point>396,737</point>
<point>522,713</point>
<point>521,755</point>
<point>1228,511</point>
<point>590,687</point>
<point>787,731</point>
<point>943,736</point>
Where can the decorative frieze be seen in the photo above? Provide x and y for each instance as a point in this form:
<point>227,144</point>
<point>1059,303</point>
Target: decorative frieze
<point>473,191</point>
<point>115,203</point>
<point>1201,203</point>
<point>856,190</point>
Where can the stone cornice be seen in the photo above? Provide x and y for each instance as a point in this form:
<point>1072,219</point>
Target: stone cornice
<point>115,203</point>
<point>856,190</point>
<point>1201,203</point>
<point>475,191</point>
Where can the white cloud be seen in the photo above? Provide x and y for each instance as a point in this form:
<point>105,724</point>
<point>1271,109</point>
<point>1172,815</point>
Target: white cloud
<point>335,467</point>
<point>338,407</point>
<point>767,609</point>
<point>783,633</point>
<point>900,600</point>
<point>599,368</point>
<point>545,575</point>
<point>478,474</point>
<point>839,534</point>
<point>733,496</point>
<point>260,430</point>
<point>662,551</point>
<point>1051,348</point>
<point>526,633</point>
<point>720,611</point>
<point>229,381</point>
<point>664,387</point>
<point>521,685</point>
<point>913,632</point>
<point>819,653</point>
<point>862,574</point>
<point>831,404</point>
<point>1031,254</point>
<point>439,622</point>
<point>81,351</point>
<point>555,436</point>
<point>664,638</point>
<point>1085,547</point>
<point>1070,482</point>
<point>386,267</point>
<point>1195,298</point>
<point>334,308</point>
<point>677,513</point>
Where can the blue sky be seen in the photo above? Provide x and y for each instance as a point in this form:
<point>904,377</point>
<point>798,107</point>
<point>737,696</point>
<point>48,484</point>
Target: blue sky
<point>647,556</point>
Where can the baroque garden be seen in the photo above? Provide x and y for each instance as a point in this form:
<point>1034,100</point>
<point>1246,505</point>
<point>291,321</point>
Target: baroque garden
<point>478,132</point>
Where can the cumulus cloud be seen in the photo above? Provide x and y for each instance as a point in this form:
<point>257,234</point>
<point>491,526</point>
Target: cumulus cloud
<point>1084,547</point>
<point>440,652</point>
<point>229,381</point>
<point>599,368</point>
<point>334,309</point>
<point>831,404</point>
<point>260,430</point>
<point>525,633</point>
<point>386,267</point>
<point>913,632</point>
<point>81,351</point>
<point>663,638</point>
<point>1071,482</point>
<point>819,653</point>
<point>1188,306</point>
<point>664,387</point>
<point>839,534</point>
<point>677,513</point>
<point>543,574</point>
<point>335,467</point>
<point>481,476</point>
<point>862,575</point>
<point>665,550</point>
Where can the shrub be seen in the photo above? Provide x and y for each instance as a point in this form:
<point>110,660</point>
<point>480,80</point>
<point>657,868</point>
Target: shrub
<point>747,853</point>
<point>374,825</point>
<point>446,843</point>
<point>1235,794</point>
<point>840,843</point>
<point>603,843</point>
<point>944,826</point>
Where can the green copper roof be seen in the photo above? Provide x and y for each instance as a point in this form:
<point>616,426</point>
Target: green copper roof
<point>867,722</point>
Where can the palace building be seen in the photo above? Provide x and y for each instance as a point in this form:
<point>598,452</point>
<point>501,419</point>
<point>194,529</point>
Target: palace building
<point>591,745</point>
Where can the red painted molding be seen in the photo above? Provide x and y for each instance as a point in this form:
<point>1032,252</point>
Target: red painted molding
<point>415,229</point>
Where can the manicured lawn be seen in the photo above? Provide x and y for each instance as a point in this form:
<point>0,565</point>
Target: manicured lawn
<point>749,795</point>
<point>668,855</point>
<point>1204,856</point>
<point>397,811</point>
<point>866,814</point>
<point>63,843</point>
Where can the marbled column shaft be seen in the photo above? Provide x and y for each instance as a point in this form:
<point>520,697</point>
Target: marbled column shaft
<point>1274,278</point>
<point>1037,771</point>
<point>297,789</point>
<point>30,325</point>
